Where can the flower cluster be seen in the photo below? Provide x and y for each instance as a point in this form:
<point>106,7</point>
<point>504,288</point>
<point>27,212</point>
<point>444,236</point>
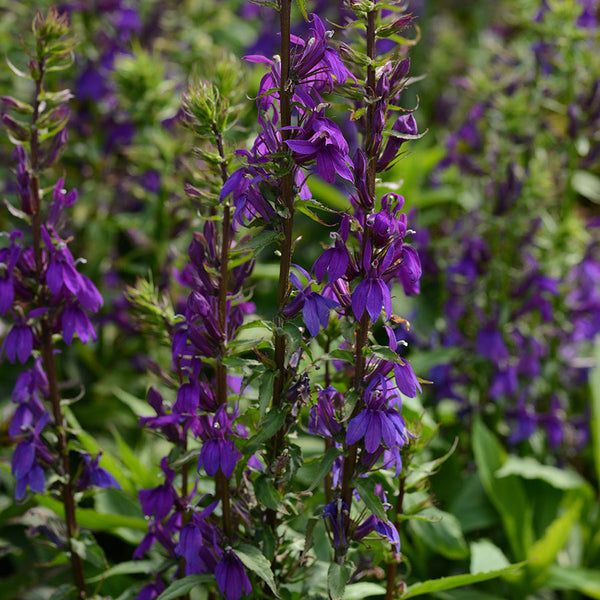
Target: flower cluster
<point>43,292</point>
<point>527,320</point>
<point>355,278</point>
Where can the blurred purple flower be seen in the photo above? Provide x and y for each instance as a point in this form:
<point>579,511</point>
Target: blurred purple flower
<point>18,344</point>
<point>159,501</point>
<point>96,476</point>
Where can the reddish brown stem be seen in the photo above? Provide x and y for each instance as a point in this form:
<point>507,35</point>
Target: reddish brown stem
<point>392,567</point>
<point>221,482</point>
<point>362,333</point>
<point>67,491</point>
<point>285,263</point>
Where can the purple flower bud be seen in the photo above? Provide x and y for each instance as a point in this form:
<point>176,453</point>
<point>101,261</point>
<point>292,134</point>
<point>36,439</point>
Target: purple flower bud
<point>336,516</point>
<point>360,171</point>
<point>231,577</point>
<point>405,124</point>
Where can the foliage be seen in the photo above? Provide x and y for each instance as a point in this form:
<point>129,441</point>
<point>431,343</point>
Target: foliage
<point>226,396</point>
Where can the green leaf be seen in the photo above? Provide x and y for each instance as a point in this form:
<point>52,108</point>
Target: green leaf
<point>324,467</point>
<point>595,402</point>
<point>587,185</point>
<point>92,519</point>
<point>294,337</point>
<point>265,392</point>
<point>256,561</point>
<point>345,355</point>
<point>181,587</point>
<point>386,353</point>
<point>405,136</point>
<point>328,194</point>
<point>486,556</point>
<point>585,581</point>
<point>141,475</point>
<point>258,241</point>
<point>302,7</point>
<point>126,568</point>
<point>16,70</point>
<point>138,406</point>
<point>273,421</point>
<point>442,533</point>
<point>88,549</point>
<point>421,472</point>
<point>337,577</point>
<point>543,553</point>
<point>363,589</point>
<point>507,493</point>
<point>472,507</point>
<point>266,493</point>
<point>63,592</point>
<point>455,581</point>
<point>365,488</point>
<point>529,468</point>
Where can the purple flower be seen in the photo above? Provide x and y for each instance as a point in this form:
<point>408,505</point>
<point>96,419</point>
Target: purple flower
<point>26,466</point>
<point>152,590</point>
<point>322,420</point>
<point>8,259</point>
<point>30,387</point>
<point>95,475</point>
<point>26,470</point>
<point>315,66</point>
<point>315,307</point>
<point>372,293</point>
<point>378,422</point>
<point>218,450</point>
<point>159,501</point>
<point>76,321</point>
<point>505,383</point>
<point>490,344</point>
<point>231,577</point>
<point>385,529</point>
<point>409,271</point>
<point>198,543</point>
<point>320,139</point>
<point>334,261</point>
<point>526,421</point>
<point>249,202</point>
<point>406,380</point>
<point>554,423</point>
<point>167,423</point>
<point>61,267</point>
<point>388,224</point>
<point>18,344</point>
<point>61,199</point>
<point>188,399</point>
